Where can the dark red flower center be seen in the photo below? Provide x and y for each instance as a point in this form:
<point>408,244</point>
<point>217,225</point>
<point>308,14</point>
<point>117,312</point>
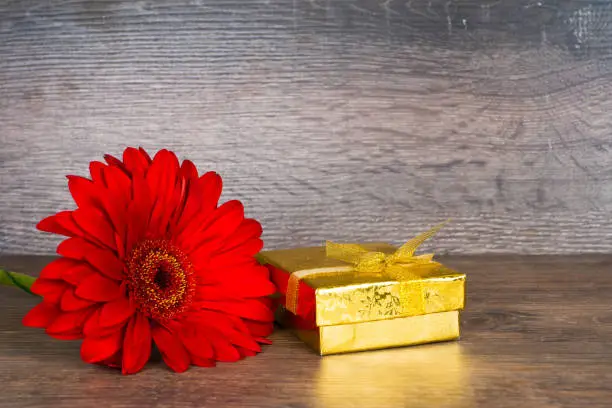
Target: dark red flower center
<point>160,279</point>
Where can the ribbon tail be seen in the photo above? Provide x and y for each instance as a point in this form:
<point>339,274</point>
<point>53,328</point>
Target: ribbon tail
<point>425,258</point>
<point>291,295</point>
<point>412,291</point>
<point>407,250</point>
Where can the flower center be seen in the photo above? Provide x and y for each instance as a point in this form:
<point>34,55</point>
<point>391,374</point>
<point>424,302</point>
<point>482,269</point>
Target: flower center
<point>160,279</point>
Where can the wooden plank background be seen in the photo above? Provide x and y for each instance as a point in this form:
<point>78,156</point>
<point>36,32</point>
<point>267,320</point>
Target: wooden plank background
<point>330,119</point>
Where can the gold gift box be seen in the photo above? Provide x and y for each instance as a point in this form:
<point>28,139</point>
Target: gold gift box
<point>356,311</point>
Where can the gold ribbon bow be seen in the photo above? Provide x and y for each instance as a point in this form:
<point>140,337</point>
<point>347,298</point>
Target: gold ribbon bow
<point>402,265</point>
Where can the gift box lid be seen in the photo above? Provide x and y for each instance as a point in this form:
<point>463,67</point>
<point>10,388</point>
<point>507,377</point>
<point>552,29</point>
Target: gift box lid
<point>338,294</point>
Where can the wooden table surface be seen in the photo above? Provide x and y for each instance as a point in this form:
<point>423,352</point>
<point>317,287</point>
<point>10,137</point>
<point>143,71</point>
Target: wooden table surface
<point>537,332</point>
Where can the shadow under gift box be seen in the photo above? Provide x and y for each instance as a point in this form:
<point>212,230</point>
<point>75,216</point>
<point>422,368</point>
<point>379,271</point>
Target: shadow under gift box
<point>345,310</point>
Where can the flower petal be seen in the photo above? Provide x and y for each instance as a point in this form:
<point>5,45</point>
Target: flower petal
<point>189,170</point>
<point>136,344</point>
<point>249,270</point>
<point>134,161</point>
<point>196,342</point>
<point>70,322</point>
<point>41,315</point>
<point>70,302</point>
<point>116,311</point>
<point>248,230</point>
<point>56,297</point>
<point>113,361</point>
<point>139,211</point>
<point>172,350</point>
<point>253,309</point>
<point>162,179</point>
<point>259,329</point>
<point>187,178</point>
<point>49,288</point>
<point>210,235</point>
<point>96,349</point>
<point>66,335</point>
<point>202,362</point>
<point>105,261</point>
<point>77,273</point>
<point>94,223</point>
<point>145,155</point>
<point>96,171</point>
<point>246,352</point>
<point>53,225</point>
<point>56,268</point>
<point>117,197</point>
<point>237,255</point>
<point>98,289</point>
<point>90,230</point>
<point>226,326</point>
<point>201,200</point>
<point>223,349</point>
<point>116,163</point>
<point>92,327</point>
<point>83,191</point>
<point>235,289</point>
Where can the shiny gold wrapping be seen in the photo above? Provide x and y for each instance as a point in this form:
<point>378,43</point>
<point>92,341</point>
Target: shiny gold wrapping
<point>345,296</point>
<point>401,331</point>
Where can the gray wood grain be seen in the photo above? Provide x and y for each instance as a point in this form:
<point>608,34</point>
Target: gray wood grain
<point>542,341</point>
<point>346,120</point>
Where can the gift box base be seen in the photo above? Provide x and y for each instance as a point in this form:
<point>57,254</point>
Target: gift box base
<point>380,334</point>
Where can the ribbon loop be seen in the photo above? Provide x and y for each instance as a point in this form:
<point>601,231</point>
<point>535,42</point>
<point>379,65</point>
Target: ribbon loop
<point>371,262</point>
<point>405,253</point>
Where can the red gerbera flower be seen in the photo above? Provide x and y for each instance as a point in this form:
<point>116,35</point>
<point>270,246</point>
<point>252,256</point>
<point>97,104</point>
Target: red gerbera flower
<point>152,258</point>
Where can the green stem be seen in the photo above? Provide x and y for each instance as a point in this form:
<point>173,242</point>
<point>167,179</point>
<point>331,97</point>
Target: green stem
<point>20,280</point>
